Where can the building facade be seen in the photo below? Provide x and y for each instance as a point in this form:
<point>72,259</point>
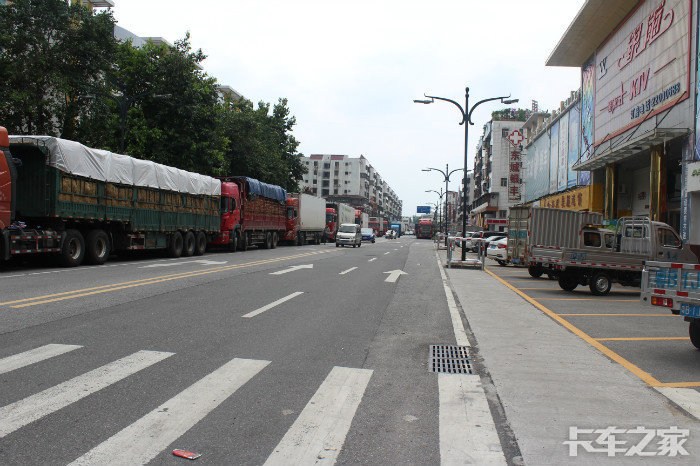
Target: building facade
<point>352,180</point>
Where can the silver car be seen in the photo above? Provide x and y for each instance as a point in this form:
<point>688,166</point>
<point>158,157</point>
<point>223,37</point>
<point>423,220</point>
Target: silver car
<point>348,233</point>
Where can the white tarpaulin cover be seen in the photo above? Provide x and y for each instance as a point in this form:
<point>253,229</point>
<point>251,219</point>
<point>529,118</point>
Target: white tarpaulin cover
<point>76,159</point>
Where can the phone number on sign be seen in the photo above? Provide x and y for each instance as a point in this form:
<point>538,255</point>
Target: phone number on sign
<point>646,107</point>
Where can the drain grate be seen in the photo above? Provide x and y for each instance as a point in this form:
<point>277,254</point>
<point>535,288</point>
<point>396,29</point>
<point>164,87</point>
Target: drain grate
<point>449,359</point>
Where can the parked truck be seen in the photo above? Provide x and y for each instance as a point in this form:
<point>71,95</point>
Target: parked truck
<point>377,224</point>
<point>674,285</point>
<point>338,213</point>
<point>306,219</point>
<point>396,226</point>
<point>576,249</point>
<point>425,229</point>
<point>361,218</point>
<point>60,197</point>
<point>252,213</point>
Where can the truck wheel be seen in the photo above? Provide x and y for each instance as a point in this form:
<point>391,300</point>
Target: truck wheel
<point>600,283</point>
<point>694,331</point>
<point>244,242</point>
<point>501,263</point>
<point>200,245</point>
<point>568,281</point>
<point>73,249</point>
<point>275,240</point>
<point>267,240</point>
<point>337,245</point>
<point>188,244</point>
<point>535,271</point>
<point>234,241</point>
<point>97,247</point>
<point>176,244</point>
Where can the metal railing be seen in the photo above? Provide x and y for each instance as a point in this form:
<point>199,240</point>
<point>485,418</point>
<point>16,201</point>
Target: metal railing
<point>479,262</point>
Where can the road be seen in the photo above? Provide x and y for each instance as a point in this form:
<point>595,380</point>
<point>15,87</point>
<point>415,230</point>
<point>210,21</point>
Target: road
<point>296,355</point>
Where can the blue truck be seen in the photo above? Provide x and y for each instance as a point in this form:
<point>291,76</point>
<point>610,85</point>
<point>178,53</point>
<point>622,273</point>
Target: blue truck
<point>397,228</point>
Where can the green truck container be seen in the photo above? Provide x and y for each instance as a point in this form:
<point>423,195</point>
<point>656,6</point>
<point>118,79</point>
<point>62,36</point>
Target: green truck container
<point>84,203</point>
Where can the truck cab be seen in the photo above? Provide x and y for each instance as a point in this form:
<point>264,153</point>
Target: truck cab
<point>230,233</point>
<point>331,222</point>
<point>292,219</point>
<point>8,178</point>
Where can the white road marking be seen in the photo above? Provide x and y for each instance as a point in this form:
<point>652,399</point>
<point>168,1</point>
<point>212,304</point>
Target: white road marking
<point>319,432</point>
<point>28,410</point>
<point>293,268</point>
<point>457,325</point>
<point>686,398</point>
<point>372,259</point>
<point>196,261</point>
<point>387,253</point>
<point>273,304</point>
<point>143,440</point>
<point>347,271</point>
<point>394,275</point>
<point>33,356</point>
<point>467,431</point>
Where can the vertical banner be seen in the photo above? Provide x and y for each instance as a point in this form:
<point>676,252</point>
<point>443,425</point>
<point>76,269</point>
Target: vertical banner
<point>587,115</point>
<point>515,163</point>
<point>562,169</point>
<point>553,156</point>
<point>574,146</point>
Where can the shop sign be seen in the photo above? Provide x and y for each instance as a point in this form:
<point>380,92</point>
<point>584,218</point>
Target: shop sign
<point>497,221</point>
<point>692,177</point>
<point>576,199</point>
<point>644,68</point>
<point>515,181</point>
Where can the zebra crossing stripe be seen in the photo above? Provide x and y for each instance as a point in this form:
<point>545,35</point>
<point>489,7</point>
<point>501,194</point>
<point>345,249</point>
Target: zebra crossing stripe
<point>33,356</point>
<point>467,432</point>
<point>143,440</point>
<point>319,432</point>
<point>28,410</point>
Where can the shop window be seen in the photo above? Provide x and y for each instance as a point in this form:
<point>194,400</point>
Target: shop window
<point>504,182</point>
<point>504,132</point>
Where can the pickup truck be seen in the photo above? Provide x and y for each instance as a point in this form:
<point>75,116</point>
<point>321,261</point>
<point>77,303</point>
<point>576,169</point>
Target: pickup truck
<point>674,285</point>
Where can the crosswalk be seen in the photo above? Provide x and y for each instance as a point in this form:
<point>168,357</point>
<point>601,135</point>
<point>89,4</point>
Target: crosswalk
<point>317,435</point>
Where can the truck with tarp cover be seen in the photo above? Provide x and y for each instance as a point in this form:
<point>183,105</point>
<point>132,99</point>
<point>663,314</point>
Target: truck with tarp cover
<point>58,196</point>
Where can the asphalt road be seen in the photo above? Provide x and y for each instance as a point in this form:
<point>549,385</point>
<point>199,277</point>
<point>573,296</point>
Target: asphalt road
<point>267,355</point>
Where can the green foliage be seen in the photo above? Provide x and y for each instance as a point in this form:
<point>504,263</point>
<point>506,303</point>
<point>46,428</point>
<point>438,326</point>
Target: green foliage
<point>517,114</point>
<point>54,57</point>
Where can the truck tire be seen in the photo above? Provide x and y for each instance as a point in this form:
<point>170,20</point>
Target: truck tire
<point>267,240</point>
<point>600,283</point>
<point>535,271</point>
<point>568,281</point>
<point>200,245</point>
<point>73,249</point>
<point>275,240</point>
<point>501,263</point>
<point>96,247</point>
<point>176,245</point>
<point>188,244</point>
<point>234,241</point>
<point>694,331</point>
<point>243,242</point>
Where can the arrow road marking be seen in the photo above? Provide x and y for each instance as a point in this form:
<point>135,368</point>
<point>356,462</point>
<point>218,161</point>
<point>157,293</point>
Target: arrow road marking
<point>372,259</point>
<point>196,261</point>
<point>271,305</point>
<point>348,270</point>
<point>292,269</point>
<point>394,275</point>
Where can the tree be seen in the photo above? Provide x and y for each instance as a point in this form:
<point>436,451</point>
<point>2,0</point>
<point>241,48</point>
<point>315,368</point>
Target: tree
<point>54,59</point>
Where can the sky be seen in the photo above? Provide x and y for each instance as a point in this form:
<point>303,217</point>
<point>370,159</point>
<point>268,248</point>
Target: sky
<point>351,69</point>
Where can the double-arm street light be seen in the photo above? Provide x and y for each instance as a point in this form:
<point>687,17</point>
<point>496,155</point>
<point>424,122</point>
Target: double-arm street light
<point>466,121</point>
<point>439,193</point>
<point>446,174</point>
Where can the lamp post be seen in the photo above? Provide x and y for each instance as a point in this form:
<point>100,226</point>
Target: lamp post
<point>446,174</point>
<point>439,193</point>
<point>466,121</point>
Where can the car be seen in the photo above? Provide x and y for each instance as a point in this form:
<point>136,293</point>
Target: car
<point>481,236</point>
<point>390,234</point>
<point>498,250</point>
<point>348,234</point>
<point>368,234</point>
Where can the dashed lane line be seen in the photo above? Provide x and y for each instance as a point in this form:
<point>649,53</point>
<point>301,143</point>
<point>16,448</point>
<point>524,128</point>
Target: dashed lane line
<point>272,304</point>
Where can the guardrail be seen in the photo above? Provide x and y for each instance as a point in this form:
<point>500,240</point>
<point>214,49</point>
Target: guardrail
<point>479,262</point>
<point>440,240</point>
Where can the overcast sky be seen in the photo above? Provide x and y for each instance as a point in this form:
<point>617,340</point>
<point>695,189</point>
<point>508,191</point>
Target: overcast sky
<point>351,69</point>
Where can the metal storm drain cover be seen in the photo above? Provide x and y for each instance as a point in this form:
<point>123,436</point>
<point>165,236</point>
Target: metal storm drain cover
<point>449,359</point>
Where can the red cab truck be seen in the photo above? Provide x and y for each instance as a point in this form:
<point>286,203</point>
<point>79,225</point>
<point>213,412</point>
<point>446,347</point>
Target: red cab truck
<point>338,213</point>
<point>306,219</point>
<point>425,229</point>
<point>377,224</point>
<point>252,213</point>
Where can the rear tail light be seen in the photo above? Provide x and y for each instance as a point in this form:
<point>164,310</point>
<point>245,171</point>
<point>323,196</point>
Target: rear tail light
<point>501,246</point>
<point>664,302</point>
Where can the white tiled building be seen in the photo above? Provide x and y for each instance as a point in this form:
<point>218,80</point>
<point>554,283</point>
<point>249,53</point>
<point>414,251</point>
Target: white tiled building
<point>351,180</point>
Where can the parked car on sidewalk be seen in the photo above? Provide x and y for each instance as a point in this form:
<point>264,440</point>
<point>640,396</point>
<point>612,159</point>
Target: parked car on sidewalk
<point>481,236</point>
<point>497,250</point>
<point>348,233</point>
<point>368,234</point>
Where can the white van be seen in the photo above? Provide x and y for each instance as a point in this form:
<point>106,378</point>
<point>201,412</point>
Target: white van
<point>348,233</point>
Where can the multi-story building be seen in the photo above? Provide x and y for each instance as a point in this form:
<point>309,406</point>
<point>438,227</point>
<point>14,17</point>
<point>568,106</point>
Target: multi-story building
<point>352,180</point>
<point>496,174</point>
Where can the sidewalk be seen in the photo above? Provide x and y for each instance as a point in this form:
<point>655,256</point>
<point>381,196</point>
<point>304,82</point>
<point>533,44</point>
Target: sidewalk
<point>549,379</point>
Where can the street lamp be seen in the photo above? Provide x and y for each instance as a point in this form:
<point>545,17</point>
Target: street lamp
<point>439,193</point>
<point>446,174</point>
<point>466,121</point>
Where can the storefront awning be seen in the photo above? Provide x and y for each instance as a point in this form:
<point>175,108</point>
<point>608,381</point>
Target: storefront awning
<point>653,138</point>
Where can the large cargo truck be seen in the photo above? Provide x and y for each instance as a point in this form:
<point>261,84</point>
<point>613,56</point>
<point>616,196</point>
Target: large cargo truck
<point>361,218</point>
<point>60,197</point>
<point>674,285</point>
<point>306,219</point>
<point>338,213</point>
<point>425,229</point>
<point>252,213</point>
<point>396,226</point>
<point>377,224</point>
